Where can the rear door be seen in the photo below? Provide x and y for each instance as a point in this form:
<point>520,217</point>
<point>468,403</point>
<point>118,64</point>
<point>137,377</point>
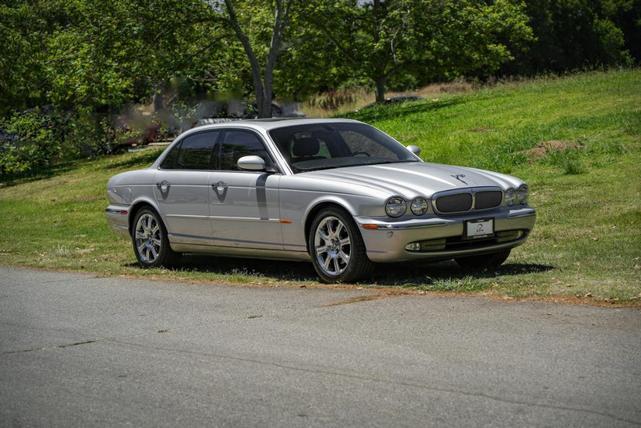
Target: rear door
<point>182,188</point>
<point>244,204</point>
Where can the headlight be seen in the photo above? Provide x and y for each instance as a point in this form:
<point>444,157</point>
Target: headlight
<point>521,194</point>
<point>419,206</point>
<point>395,206</point>
<point>510,196</point>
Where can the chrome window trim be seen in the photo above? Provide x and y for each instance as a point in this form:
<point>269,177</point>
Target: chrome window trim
<point>277,159</point>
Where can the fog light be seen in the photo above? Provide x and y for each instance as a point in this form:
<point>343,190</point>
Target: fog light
<point>413,246</point>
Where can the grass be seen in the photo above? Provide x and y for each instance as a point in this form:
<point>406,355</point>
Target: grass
<point>586,188</point>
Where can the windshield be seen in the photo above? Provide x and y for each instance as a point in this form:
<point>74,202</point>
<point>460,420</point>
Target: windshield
<point>333,145</point>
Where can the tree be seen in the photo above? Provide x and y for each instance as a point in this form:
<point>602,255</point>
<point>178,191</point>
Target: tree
<point>124,50</point>
<point>262,77</point>
<point>578,34</point>
<point>419,40</point>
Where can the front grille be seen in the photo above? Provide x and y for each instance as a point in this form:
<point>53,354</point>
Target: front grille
<point>454,203</point>
<point>488,199</point>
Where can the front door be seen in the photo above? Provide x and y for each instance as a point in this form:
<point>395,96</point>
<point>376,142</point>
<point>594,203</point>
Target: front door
<point>244,204</point>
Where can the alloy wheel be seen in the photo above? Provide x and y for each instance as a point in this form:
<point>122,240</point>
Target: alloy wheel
<point>148,239</point>
<point>332,246</point>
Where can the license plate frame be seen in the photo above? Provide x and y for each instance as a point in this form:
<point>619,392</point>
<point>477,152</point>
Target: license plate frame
<point>479,228</point>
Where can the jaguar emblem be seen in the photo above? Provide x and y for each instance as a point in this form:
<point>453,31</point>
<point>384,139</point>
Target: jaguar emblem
<point>460,177</point>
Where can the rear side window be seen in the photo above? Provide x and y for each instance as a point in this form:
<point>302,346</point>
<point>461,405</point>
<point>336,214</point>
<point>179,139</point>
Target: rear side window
<point>237,143</point>
<point>170,160</point>
<point>193,152</point>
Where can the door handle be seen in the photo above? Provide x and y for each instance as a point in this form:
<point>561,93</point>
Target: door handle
<point>219,186</point>
<point>220,189</point>
<point>163,186</point>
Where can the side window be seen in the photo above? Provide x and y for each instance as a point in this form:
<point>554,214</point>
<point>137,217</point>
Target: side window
<point>170,160</point>
<point>238,143</point>
<point>196,151</point>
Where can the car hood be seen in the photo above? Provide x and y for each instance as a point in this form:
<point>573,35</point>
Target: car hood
<point>411,179</point>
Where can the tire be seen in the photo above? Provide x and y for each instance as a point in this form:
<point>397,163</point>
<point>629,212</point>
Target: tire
<point>484,261</point>
<point>149,239</point>
<point>337,248</point>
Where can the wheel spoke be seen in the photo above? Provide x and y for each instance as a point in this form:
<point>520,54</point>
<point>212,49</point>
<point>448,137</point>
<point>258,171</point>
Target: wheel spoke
<point>339,229</point>
<point>344,242</point>
<point>326,262</point>
<point>330,228</point>
<point>344,257</point>
<point>156,242</point>
<point>153,252</point>
<point>322,249</point>
<point>337,267</point>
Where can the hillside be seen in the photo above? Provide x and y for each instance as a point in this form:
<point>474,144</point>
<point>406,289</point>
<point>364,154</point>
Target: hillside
<point>576,141</point>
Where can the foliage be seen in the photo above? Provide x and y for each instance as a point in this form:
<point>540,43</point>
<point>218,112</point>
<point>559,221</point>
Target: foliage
<point>576,34</point>
<point>31,144</point>
<point>85,62</point>
<point>404,43</point>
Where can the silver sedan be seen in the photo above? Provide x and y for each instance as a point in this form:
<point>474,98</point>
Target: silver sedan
<point>338,193</point>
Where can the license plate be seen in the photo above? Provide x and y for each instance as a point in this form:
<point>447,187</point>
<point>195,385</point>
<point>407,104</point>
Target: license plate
<point>479,228</point>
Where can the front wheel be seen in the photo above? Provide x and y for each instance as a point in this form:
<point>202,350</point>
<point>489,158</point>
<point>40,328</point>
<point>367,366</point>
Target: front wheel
<point>337,248</point>
<point>150,242</point>
<point>484,261</point>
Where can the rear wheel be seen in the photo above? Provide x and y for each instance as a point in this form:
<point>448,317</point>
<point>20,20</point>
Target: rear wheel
<point>150,242</point>
<point>337,248</point>
<point>484,261</point>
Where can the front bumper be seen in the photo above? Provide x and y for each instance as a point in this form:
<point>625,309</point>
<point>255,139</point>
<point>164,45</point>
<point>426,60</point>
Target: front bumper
<point>387,242</point>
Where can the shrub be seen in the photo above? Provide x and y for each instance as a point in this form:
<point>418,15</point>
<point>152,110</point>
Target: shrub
<point>31,144</point>
<point>33,141</point>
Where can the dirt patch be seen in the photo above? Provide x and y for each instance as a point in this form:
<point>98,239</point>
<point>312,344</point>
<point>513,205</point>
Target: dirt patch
<point>356,299</point>
<point>455,87</point>
<point>545,147</point>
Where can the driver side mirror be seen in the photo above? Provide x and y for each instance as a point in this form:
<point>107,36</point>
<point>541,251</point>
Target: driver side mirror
<point>414,149</point>
<point>251,163</point>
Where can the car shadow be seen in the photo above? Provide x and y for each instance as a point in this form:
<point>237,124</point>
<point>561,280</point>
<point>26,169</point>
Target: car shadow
<point>384,112</point>
<point>42,174</point>
<point>396,274</point>
<point>146,158</point>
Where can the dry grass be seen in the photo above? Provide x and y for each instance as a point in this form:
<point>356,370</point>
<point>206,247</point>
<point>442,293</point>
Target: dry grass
<point>338,103</point>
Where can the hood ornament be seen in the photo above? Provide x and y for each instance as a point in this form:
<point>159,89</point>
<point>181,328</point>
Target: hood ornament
<point>460,177</point>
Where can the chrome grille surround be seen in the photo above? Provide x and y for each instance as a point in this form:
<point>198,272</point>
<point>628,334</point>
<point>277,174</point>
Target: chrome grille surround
<point>467,200</point>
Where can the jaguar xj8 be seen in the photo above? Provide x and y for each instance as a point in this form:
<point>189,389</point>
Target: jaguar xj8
<point>339,193</point>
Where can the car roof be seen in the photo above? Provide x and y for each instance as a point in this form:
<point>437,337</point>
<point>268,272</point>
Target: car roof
<point>272,123</point>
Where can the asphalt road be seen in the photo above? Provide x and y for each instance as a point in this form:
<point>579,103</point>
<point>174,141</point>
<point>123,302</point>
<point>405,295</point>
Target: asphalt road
<point>77,350</point>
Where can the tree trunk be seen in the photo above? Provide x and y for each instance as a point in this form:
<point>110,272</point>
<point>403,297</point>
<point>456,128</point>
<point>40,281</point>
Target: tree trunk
<point>265,106</point>
<point>380,89</point>
<point>263,84</point>
<point>379,80</point>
